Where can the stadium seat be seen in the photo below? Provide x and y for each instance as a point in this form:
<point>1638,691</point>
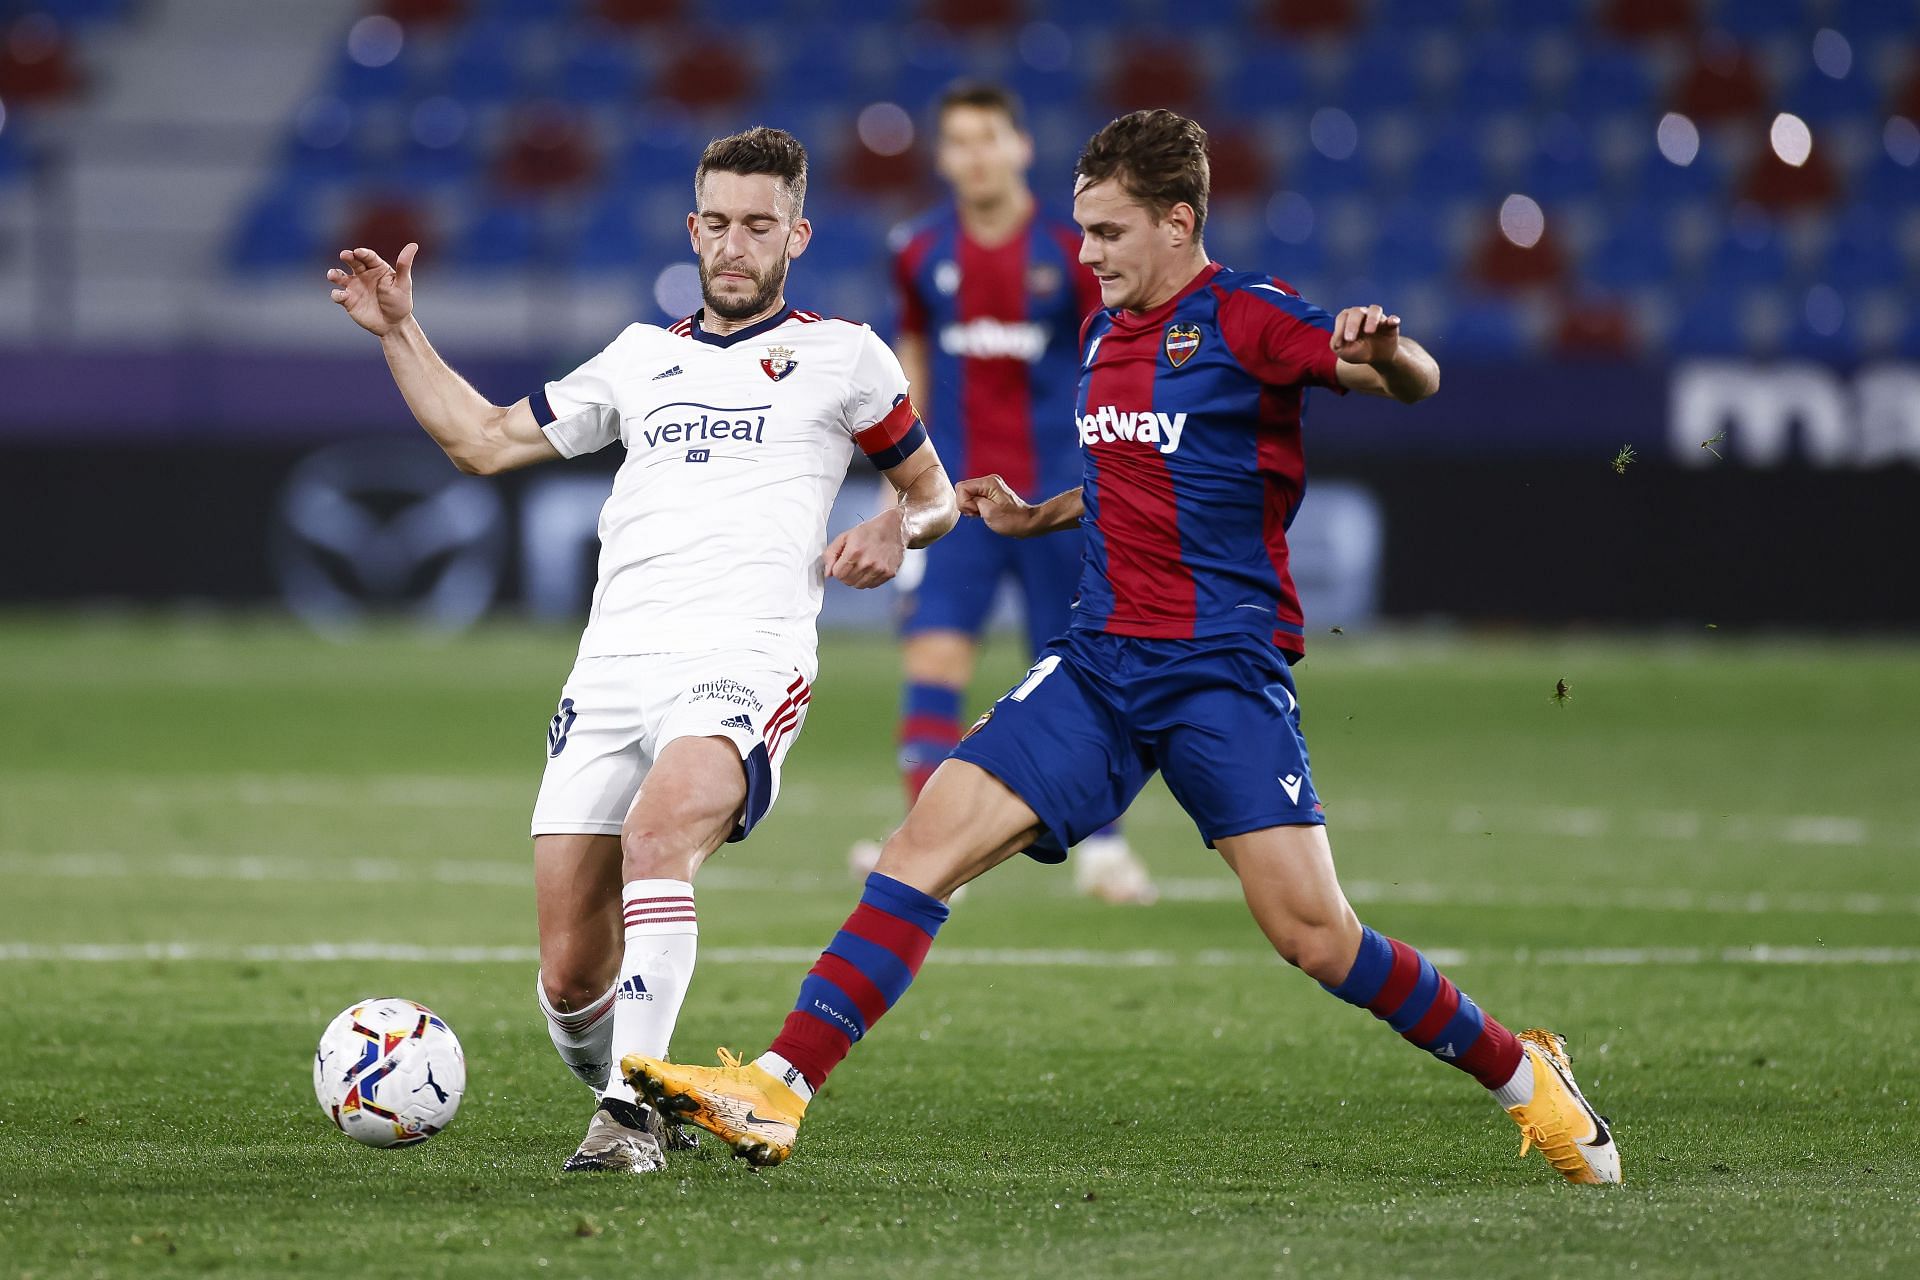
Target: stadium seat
<point>1595,325</point>
<point>710,74</point>
<point>386,224</point>
<point>1708,324</point>
<point>1498,75</point>
<point>499,235</point>
<point>1156,75</point>
<point>36,61</point>
<point>547,151</point>
<point>1610,77</point>
<point>1647,19</point>
<point>637,13</point>
<point>598,68</point>
<point>610,236</point>
<point>1312,17</point>
<point>1722,83</point>
<point>1632,256</point>
<point>277,232</point>
<point>1269,74</point>
<point>1820,99</point>
<point>1772,183</point>
<point>1482,327</point>
<point>1761,19</point>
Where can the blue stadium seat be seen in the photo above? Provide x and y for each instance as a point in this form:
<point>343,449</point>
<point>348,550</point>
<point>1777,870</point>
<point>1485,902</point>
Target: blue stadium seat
<point>1451,166</point>
<point>500,235</point>
<point>1483,327</point>
<point>1821,99</point>
<point>81,12</point>
<point>13,157</point>
<point>1760,19</point>
<point>1866,22</point>
<point>1842,347</point>
<point>1630,258</point>
<point>437,167</point>
<point>1316,177</point>
<point>1884,182</point>
<point>1531,16</point>
<point>365,86</point>
<point>485,65</point>
<point>1554,179</point>
<point>1861,254</point>
<point>611,236</point>
<point>1381,73</point>
<point>1407,242</point>
<point>525,11</point>
<point>1498,75</point>
<point>1610,77</point>
<point>1419,15</point>
<point>600,68</point>
<point>1269,75</point>
<point>277,231</point>
<point>1709,324</point>
<point>1733,264</point>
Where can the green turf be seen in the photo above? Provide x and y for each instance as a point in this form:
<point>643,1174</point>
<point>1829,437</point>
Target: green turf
<point>1194,1111</point>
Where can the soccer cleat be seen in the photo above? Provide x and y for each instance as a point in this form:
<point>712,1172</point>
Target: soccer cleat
<point>621,1138</point>
<point>743,1105</point>
<point>1570,1134</point>
<point>1105,868</point>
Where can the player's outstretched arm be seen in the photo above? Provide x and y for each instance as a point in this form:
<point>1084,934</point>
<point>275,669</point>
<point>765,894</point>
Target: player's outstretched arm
<point>870,553</point>
<point>479,436</point>
<point>991,499</point>
<point>1377,361</point>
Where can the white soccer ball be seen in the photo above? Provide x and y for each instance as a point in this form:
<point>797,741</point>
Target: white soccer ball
<point>389,1072</point>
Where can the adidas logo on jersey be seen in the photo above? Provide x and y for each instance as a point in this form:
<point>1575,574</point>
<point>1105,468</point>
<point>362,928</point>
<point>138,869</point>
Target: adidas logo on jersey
<point>665,373</point>
<point>1161,430</point>
<point>633,989</point>
<point>738,722</point>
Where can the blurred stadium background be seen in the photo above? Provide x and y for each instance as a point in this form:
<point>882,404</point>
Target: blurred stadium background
<point>1667,254</point>
<point>1688,228</point>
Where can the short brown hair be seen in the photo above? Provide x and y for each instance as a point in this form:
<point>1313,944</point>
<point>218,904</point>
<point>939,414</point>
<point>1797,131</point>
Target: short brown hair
<point>1159,158</point>
<point>758,150</point>
<point>986,97</point>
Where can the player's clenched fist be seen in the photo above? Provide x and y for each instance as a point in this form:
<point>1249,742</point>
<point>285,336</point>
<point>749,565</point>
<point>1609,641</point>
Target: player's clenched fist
<point>869,554</point>
<point>376,295</point>
<point>991,499</point>
<point>1365,335</point>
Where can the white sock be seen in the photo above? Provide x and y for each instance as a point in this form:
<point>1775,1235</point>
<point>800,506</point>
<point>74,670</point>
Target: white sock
<point>1518,1091</point>
<point>779,1068</point>
<point>662,936</point>
<point>583,1036</point>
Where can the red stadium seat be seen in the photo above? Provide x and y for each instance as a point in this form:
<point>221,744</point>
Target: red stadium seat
<point>974,15</point>
<point>1723,83</point>
<point>1238,166</point>
<point>638,13</point>
<point>34,62</point>
<point>424,12</point>
<point>1312,17</point>
<point>1772,183</point>
<point>1595,328</point>
<point>1501,266</point>
<point>1644,19</point>
<point>546,152</point>
<point>385,226</point>
<point>707,76</point>
<point>1161,74</point>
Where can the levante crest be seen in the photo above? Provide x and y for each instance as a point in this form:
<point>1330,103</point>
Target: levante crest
<point>778,362</point>
<point>1182,341</point>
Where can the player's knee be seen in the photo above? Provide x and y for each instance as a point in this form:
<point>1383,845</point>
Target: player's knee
<point>570,983</point>
<point>1322,952</point>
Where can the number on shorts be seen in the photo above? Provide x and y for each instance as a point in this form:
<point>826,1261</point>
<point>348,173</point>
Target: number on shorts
<point>1035,674</point>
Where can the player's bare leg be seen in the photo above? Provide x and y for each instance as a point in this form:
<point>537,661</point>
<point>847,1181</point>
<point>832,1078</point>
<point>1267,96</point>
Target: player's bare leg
<point>576,895</point>
<point>691,801</point>
<point>936,668</point>
<point>1288,877</point>
<point>966,822</point>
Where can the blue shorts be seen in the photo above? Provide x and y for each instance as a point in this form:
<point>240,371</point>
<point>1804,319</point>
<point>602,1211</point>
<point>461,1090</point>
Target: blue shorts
<point>1098,713</point>
<point>964,572</point>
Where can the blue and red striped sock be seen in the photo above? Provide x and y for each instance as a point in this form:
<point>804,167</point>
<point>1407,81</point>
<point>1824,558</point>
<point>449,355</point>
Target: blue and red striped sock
<point>1402,988</point>
<point>929,728</point>
<point>864,970</point>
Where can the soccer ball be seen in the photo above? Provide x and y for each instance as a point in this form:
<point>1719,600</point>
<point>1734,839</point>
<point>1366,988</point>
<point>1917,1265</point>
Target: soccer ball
<point>389,1072</point>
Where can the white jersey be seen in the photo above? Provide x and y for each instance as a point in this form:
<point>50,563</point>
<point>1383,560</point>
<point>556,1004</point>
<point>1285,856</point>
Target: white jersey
<point>714,533</point>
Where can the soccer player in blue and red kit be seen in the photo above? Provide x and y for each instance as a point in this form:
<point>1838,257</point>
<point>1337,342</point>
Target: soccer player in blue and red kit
<point>991,300</point>
<point>1189,417</point>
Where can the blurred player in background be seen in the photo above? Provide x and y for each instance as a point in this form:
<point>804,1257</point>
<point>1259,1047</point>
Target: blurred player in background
<point>697,664</point>
<point>991,302</point>
<point>1190,413</point>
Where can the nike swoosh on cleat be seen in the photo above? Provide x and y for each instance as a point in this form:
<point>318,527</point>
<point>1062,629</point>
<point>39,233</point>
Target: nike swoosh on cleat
<point>1600,1135</point>
<point>751,1118</point>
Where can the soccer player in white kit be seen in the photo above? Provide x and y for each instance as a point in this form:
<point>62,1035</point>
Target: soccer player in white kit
<point>697,663</point>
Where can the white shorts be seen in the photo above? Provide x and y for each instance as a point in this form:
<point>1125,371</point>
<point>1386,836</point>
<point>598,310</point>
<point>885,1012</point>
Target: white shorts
<point>617,714</point>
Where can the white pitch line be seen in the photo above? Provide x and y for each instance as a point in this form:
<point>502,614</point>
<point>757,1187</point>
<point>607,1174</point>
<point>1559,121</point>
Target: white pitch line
<point>984,957</point>
<point>882,804</point>
<point>722,878</point>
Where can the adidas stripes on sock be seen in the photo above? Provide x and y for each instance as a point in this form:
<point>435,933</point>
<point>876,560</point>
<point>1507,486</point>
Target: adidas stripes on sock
<point>662,937</point>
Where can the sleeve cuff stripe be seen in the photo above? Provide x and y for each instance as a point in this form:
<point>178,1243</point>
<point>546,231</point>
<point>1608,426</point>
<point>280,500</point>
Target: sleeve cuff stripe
<point>542,409</point>
<point>887,457</point>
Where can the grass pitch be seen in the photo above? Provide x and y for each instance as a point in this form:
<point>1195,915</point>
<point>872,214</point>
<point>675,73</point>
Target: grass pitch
<point>1704,869</point>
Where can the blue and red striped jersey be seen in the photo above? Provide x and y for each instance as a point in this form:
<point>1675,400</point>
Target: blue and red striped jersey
<point>1001,327</point>
<point>1189,417</point>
